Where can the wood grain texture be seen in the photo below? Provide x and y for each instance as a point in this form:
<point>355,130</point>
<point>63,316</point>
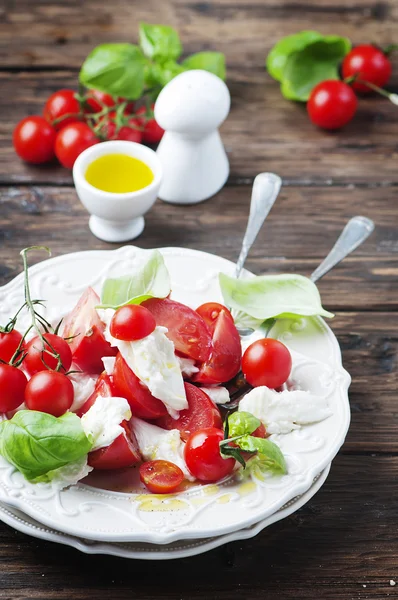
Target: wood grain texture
<point>341,545</point>
<point>366,280</point>
<point>263,132</point>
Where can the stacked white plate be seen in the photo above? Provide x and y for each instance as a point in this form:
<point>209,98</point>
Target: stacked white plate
<point>139,525</point>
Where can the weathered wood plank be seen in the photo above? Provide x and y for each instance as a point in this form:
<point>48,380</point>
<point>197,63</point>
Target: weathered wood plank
<point>341,545</point>
<point>299,232</point>
<point>263,132</point>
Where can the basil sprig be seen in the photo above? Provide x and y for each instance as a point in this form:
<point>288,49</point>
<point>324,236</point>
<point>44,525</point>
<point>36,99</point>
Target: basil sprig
<point>129,71</point>
<point>302,60</point>
<point>238,429</point>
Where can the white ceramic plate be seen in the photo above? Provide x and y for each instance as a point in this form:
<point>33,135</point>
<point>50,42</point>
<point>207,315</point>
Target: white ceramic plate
<point>202,511</point>
<point>182,549</point>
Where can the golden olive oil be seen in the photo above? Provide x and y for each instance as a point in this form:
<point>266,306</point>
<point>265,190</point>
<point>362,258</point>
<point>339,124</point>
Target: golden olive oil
<point>118,173</point>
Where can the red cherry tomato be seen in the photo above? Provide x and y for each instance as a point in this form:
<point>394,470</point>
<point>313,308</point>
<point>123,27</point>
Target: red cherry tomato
<point>127,385</point>
<point>260,432</point>
<point>71,141</point>
<point>34,140</point>
<point>161,476</point>
<point>50,392</point>
<point>267,362</point>
<point>152,132</point>
<point>210,311</point>
<point>131,132</point>
<point>225,358</point>
<point>86,332</point>
<point>368,63</point>
<point>122,453</point>
<point>12,388</point>
<point>103,387</point>
<point>200,414</point>
<point>203,457</point>
<point>186,329</point>
<point>332,104</point>
<point>38,358</point>
<point>63,107</point>
<point>9,343</point>
<point>132,322</point>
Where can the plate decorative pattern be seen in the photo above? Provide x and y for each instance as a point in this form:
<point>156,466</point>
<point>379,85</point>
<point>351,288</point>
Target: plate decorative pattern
<point>135,550</point>
<point>203,511</point>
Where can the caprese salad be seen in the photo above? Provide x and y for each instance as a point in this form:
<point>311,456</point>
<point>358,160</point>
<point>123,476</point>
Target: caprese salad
<point>136,379</point>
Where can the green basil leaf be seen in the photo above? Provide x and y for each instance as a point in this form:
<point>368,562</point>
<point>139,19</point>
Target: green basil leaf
<point>276,59</point>
<point>315,63</point>
<point>160,42</point>
<point>269,458</point>
<point>242,423</point>
<point>161,74</point>
<point>117,69</point>
<point>37,443</point>
<point>150,280</point>
<point>273,296</point>
<point>214,62</point>
<point>231,451</point>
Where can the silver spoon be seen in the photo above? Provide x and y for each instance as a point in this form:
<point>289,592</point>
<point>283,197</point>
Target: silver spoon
<point>356,231</point>
<point>266,187</point>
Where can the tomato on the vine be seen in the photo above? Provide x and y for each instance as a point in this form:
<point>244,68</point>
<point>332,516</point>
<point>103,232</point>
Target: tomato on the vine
<point>332,104</point>
<point>71,141</point>
<point>152,132</point>
<point>203,457</point>
<point>367,63</point>
<point>161,476</point>
<point>267,362</point>
<point>132,322</point>
<point>9,342</point>
<point>97,101</point>
<point>38,357</point>
<point>12,387</point>
<point>62,108</point>
<point>50,392</point>
<point>34,140</point>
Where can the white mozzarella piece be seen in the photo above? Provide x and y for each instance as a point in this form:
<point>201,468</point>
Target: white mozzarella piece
<point>102,422</point>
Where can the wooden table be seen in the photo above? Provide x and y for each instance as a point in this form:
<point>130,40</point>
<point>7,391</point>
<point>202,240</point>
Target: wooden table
<point>343,543</point>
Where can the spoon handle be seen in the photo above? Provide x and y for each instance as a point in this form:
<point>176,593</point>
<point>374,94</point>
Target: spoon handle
<point>266,188</point>
<point>354,233</point>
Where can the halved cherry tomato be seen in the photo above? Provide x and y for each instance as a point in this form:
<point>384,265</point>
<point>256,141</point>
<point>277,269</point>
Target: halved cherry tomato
<point>203,457</point>
<point>127,385</point>
<point>161,476</point>
<point>9,342</point>
<point>201,413</point>
<point>267,362</point>
<point>186,329</point>
<point>38,357</point>
<point>132,322</point>
<point>12,387</point>
<point>84,327</point>
<point>260,432</point>
<point>225,357</point>
<point>123,452</point>
<point>50,392</point>
<point>103,387</point>
<point>210,311</point>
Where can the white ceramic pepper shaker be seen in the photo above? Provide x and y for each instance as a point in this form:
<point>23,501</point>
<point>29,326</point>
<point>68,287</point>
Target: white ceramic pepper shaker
<point>190,109</point>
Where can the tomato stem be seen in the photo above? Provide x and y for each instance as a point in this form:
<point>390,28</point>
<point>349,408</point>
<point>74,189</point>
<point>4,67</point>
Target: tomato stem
<point>35,317</point>
<point>392,97</point>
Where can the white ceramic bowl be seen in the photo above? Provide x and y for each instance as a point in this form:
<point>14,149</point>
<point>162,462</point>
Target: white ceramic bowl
<point>116,217</point>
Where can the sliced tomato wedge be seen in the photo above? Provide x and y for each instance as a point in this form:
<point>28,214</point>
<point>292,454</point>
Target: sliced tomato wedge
<point>127,385</point>
<point>123,452</point>
<point>200,414</point>
<point>186,328</point>
<point>86,331</point>
<point>226,354</point>
<point>161,476</point>
<point>103,387</point>
<point>210,312</point>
